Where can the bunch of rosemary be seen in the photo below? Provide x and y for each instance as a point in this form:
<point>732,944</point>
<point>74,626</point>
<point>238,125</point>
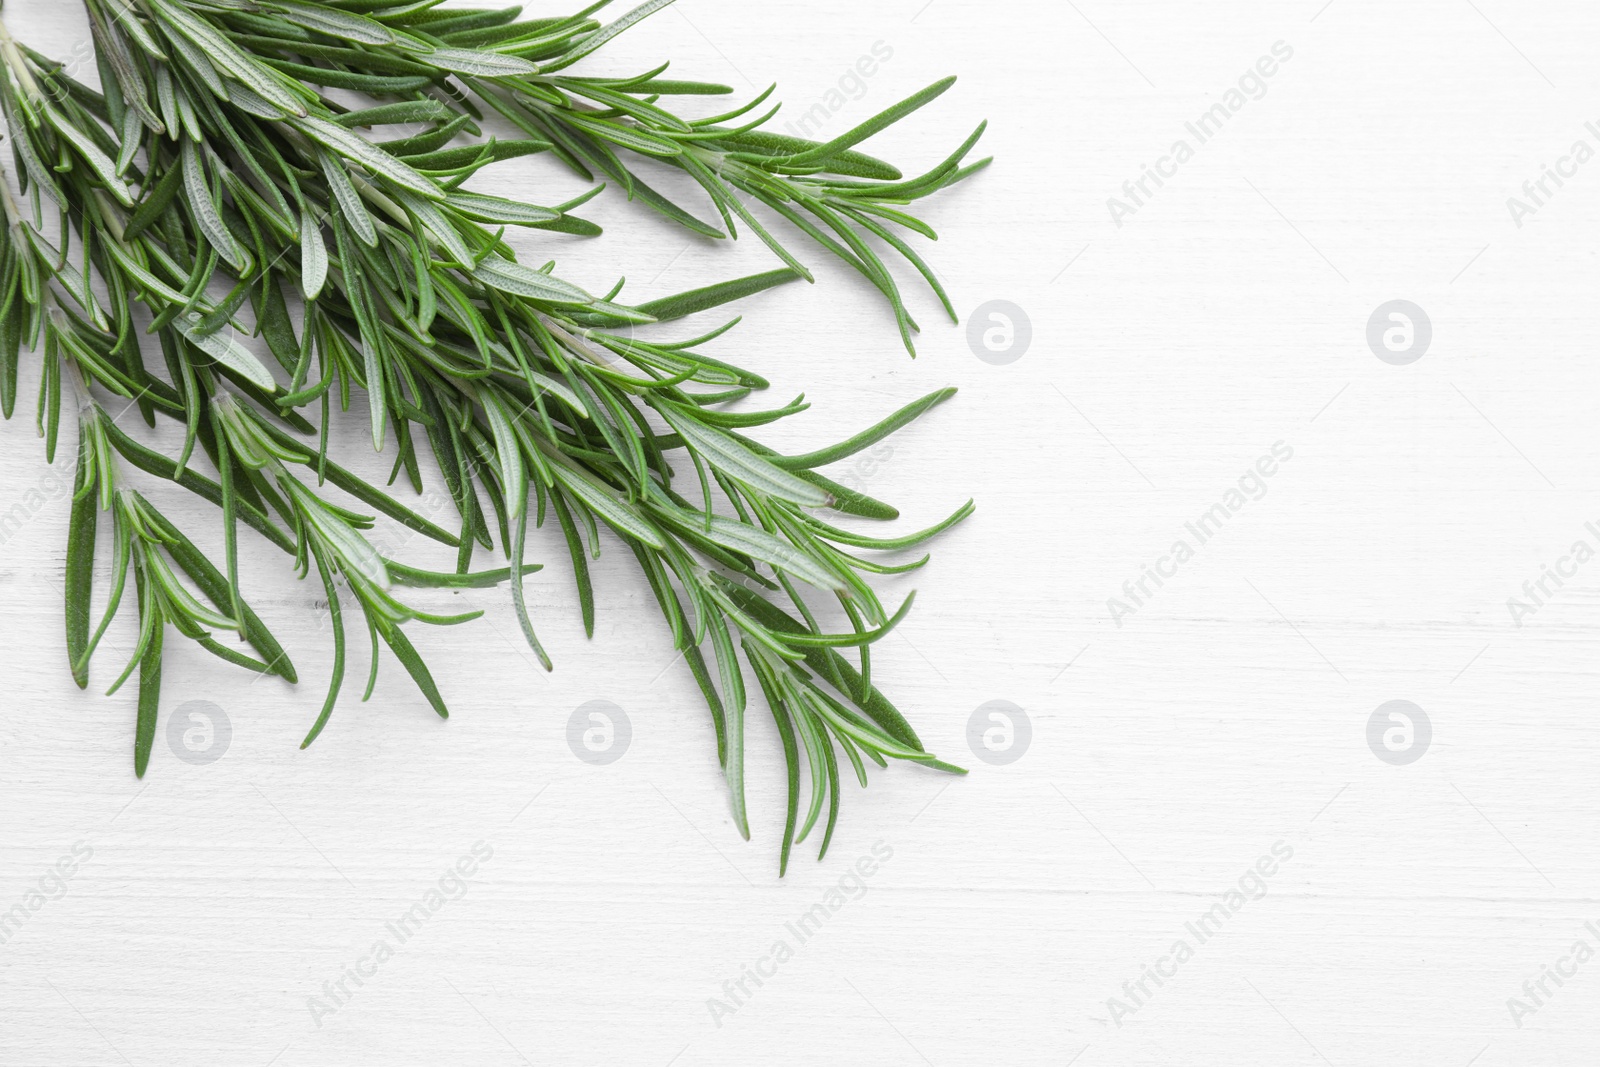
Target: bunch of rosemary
<point>231,179</point>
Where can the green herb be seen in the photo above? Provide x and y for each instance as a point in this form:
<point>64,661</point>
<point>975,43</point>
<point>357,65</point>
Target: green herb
<point>361,262</point>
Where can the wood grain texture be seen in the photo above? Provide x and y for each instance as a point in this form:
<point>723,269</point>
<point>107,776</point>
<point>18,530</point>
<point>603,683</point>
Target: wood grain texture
<point>1226,714</point>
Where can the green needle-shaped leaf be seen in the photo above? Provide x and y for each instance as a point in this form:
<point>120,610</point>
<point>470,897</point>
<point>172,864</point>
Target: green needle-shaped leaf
<point>734,459</point>
<point>866,438</point>
<point>479,63</point>
<point>358,149</point>
<point>226,350</point>
<point>80,562</point>
<point>710,296</point>
<point>509,276</point>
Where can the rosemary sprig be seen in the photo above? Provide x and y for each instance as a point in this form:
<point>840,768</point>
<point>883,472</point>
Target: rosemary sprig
<point>439,62</point>
<point>210,194</point>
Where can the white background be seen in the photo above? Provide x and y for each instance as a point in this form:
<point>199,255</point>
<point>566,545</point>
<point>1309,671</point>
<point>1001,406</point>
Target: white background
<point>1227,714</point>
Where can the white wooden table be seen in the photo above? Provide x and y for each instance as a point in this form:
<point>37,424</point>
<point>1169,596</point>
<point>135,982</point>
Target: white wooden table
<point>1197,769</point>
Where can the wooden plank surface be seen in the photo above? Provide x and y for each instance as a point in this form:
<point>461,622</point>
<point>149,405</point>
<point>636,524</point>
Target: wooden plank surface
<point>612,911</point>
